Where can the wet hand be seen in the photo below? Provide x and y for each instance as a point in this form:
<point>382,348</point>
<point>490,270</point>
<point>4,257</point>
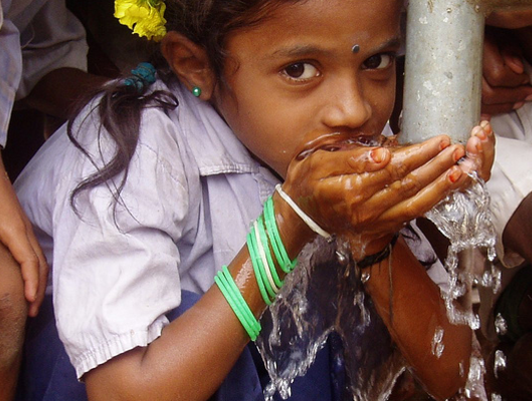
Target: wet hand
<point>480,152</point>
<point>371,192</point>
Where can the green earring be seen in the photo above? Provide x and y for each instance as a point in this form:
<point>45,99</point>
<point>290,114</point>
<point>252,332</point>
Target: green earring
<point>196,91</point>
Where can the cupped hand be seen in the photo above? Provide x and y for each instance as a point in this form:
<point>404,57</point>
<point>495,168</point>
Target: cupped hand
<point>371,192</point>
<point>17,235</point>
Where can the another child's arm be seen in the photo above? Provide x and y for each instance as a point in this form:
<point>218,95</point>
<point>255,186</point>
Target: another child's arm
<point>17,235</point>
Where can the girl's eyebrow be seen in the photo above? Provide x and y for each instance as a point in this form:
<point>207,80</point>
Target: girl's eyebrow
<point>307,50</point>
<point>300,51</point>
<point>394,42</point>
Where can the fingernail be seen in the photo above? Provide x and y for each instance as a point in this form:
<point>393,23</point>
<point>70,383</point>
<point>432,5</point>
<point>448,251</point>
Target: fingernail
<point>528,98</point>
<point>481,134</point>
<point>518,105</point>
<point>445,142</point>
<point>377,155</point>
<point>458,154</point>
<point>484,123</point>
<point>455,175</point>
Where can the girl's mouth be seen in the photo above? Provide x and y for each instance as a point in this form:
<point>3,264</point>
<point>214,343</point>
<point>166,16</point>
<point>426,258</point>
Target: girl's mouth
<point>336,141</point>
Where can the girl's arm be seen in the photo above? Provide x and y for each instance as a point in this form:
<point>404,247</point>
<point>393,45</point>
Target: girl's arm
<point>196,351</point>
<point>414,312</point>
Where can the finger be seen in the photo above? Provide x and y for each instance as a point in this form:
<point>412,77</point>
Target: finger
<point>43,277</point>
<point>480,150</point>
<point>514,63</point>
<point>408,158</point>
<point>418,179</point>
<point>493,110</point>
<point>504,95</point>
<point>29,266</point>
<point>427,198</point>
<point>353,160</point>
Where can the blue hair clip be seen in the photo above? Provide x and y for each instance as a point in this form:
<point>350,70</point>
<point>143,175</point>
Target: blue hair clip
<point>142,76</point>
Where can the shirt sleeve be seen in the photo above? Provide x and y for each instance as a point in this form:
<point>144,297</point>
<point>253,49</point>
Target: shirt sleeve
<point>10,71</point>
<point>510,180</point>
<point>509,184</point>
<point>53,39</point>
<point>115,270</point>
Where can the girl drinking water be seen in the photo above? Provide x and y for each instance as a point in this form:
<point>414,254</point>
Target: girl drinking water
<point>157,188</point>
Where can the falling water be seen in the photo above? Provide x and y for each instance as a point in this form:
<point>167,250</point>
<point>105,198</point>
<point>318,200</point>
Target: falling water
<point>325,294</point>
<point>465,219</point>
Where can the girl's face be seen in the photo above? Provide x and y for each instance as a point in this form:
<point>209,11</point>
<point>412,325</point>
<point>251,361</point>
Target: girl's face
<point>295,76</point>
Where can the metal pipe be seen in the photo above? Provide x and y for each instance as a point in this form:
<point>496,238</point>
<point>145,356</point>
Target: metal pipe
<point>443,69</point>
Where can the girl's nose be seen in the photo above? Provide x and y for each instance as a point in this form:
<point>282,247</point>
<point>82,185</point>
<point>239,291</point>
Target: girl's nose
<point>347,108</point>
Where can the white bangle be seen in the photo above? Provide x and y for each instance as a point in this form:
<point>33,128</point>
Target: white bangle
<point>262,254</point>
<point>308,221</point>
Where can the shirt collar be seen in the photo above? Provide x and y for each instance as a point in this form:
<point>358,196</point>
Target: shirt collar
<point>213,144</point>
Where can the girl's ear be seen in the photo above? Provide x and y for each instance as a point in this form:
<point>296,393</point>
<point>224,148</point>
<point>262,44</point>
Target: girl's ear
<point>189,62</point>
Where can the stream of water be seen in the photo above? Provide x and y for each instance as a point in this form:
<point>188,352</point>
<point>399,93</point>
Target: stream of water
<point>325,294</point>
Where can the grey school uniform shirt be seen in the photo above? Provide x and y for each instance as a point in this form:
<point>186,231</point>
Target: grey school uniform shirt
<point>190,197</point>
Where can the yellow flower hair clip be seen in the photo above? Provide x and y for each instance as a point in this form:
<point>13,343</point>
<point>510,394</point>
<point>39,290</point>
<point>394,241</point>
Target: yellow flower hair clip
<point>144,17</point>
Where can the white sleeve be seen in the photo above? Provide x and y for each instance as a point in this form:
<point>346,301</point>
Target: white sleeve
<point>510,183</point>
<point>10,71</point>
<point>54,38</point>
<point>115,275</point>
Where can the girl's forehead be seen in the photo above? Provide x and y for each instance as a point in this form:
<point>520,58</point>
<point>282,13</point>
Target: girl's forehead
<point>323,22</point>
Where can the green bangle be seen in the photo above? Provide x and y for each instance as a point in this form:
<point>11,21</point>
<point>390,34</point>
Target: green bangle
<point>279,250</point>
<point>264,241</point>
<point>260,266</point>
<point>253,323</point>
<point>255,263</point>
<point>238,304</point>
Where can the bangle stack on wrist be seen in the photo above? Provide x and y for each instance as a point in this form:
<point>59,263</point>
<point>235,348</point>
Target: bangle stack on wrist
<point>263,238</point>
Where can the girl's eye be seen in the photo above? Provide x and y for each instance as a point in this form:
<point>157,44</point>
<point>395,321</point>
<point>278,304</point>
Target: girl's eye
<point>379,61</point>
<point>301,71</point>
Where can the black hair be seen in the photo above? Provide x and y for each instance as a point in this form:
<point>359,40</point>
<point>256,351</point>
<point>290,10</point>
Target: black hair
<point>207,23</point>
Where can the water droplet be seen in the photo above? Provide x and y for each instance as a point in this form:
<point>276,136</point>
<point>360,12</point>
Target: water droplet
<point>501,327</point>
<point>499,363</point>
<point>437,342</point>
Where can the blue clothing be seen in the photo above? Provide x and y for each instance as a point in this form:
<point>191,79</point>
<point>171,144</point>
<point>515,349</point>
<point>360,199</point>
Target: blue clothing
<point>48,375</point>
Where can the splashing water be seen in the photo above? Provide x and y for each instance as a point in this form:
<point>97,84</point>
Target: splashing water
<point>500,362</point>
<point>501,327</point>
<point>465,219</point>
<point>324,295</point>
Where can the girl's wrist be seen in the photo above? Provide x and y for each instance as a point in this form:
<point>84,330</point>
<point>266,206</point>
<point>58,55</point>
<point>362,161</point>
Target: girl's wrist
<point>362,248</point>
<point>294,232</point>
